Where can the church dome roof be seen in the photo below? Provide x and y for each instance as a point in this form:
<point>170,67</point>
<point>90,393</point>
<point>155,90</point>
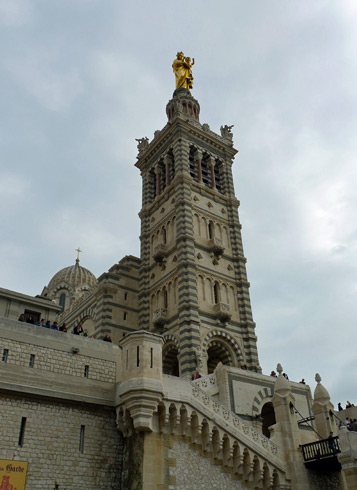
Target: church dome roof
<point>73,276</point>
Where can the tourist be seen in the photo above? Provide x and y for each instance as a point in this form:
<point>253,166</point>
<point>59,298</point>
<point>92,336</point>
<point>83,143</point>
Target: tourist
<point>347,422</point>
<point>273,373</point>
<point>107,338</point>
<point>29,319</point>
<point>286,376</point>
<point>54,326</point>
<point>353,426</point>
<point>349,404</point>
<point>303,381</point>
<point>339,407</point>
<point>78,330</point>
<point>198,376</point>
<point>63,328</point>
<point>331,442</point>
<point>42,323</point>
<point>21,318</point>
<point>48,324</point>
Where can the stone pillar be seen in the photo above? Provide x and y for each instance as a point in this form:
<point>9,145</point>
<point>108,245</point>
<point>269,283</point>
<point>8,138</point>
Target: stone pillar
<point>167,170</point>
<point>138,395</point>
<point>322,408</point>
<point>348,457</point>
<point>199,166</point>
<point>157,173</point>
<point>141,387</point>
<point>213,178</point>
<point>286,428</point>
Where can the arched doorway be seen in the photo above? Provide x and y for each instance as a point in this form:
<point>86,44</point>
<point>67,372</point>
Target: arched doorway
<point>88,327</point>
<point>170,362</point>
<point>268,416</point>
<point>217,352</point>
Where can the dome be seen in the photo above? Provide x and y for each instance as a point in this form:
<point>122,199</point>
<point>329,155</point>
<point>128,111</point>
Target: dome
<point>73,276</point>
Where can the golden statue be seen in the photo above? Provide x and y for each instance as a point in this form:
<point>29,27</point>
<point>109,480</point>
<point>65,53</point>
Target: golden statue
<point>182,67</point>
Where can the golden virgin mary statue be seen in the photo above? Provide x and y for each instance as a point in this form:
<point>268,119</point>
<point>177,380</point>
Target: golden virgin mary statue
<point>182,67</point>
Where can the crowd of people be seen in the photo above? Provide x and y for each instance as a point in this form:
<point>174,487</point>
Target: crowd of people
<point>348,405</point>
<point>78,330</point>
<point>350,423</point>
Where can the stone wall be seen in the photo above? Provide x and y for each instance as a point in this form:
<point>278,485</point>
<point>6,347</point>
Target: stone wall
<point>53,352</point>
<point>57,361</point>
<point>51,444</point>
<point>194,472</point>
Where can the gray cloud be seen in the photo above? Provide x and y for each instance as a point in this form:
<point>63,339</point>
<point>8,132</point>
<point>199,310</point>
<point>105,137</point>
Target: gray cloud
<point>81,80</point>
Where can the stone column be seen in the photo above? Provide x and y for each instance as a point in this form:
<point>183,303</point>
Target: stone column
<point>199,166</point>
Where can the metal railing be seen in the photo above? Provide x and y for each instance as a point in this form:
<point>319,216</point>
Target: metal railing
<point>327,448</point>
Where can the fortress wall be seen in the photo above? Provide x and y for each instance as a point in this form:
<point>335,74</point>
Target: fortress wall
<point>51,443</point>
<point>54,351</point>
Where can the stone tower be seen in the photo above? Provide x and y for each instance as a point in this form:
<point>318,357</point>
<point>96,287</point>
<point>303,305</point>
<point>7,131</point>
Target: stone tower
<point>193,281</point>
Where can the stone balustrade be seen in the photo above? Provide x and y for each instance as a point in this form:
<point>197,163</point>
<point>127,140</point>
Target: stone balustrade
<point>188,411</point>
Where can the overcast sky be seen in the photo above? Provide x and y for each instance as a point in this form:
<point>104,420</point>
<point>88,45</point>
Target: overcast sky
<point>81,79</point>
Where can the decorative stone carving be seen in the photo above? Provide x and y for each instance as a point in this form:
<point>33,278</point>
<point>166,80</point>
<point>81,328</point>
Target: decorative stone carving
<point>160,252</point>
<point>222,311</point>
<point>198,354</point>
<point>143,144</point>
<point>226,132</point>
<point>160,317</point>
<point>216,246</point>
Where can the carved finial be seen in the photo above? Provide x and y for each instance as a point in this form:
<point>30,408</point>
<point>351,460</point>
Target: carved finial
<point>143,143</point>
<point>317,378</point>
<point>226,131</point>
<point>182,67</point>
<point>78,250</point>
<point>279,368</point>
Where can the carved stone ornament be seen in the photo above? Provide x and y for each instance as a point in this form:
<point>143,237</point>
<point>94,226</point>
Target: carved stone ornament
<point>318,378</point>
<point>143,144</point>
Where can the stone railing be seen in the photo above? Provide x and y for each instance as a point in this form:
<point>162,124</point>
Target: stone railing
<point>207,383</point>
<point>217,417</point>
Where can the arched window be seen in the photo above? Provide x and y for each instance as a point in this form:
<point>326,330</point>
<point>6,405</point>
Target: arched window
<point>165,297</point>
<point>218,175</point>
<point>171,165</point>
<point>206,170</point>
<point>215,293</point>
<point>152,186</point>
<point>62,301</point>
<point>191,159</point>
<point>162,172</point>
<point>170,362</point>
<point>210,229</point>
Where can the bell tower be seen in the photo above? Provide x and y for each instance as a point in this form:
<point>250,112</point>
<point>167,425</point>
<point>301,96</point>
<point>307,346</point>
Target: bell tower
<point>193,281</point>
